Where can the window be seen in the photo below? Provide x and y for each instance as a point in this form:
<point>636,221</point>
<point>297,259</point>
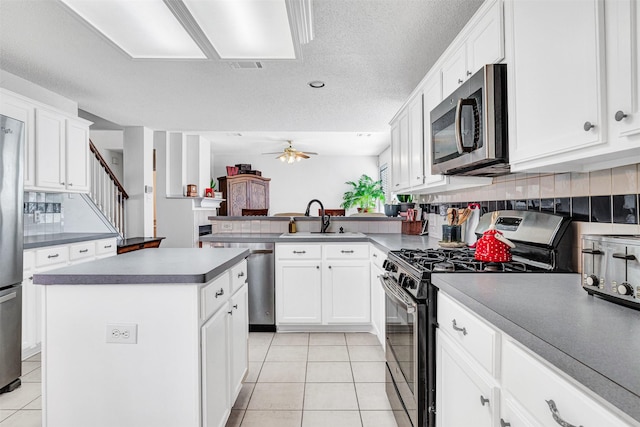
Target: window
<point>386,185</point>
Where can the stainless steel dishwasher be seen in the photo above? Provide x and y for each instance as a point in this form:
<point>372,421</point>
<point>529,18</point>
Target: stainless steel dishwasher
<point>262,284</point>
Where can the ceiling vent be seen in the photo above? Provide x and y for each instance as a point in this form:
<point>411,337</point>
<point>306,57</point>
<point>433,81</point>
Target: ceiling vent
<point>246,65</point>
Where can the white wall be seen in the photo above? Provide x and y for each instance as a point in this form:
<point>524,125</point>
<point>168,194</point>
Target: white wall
<point>110,145</point>
<point>31,90</point>
<point>138,172</point>
<point>293,185</point>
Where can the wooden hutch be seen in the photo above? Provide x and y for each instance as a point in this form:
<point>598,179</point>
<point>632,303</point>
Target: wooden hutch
<point>243,191</point>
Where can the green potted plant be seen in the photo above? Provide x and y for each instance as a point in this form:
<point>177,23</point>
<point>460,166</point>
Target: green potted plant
<point>406,202</point>
<point>363,194</point>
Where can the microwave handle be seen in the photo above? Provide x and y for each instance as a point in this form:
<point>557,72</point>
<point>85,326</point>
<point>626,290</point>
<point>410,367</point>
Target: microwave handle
<point>458,125</point>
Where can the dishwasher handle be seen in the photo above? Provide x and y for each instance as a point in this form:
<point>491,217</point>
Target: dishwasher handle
<point>261,251</point>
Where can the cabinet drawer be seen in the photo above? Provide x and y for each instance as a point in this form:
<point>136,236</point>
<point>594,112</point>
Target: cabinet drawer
<point>238,276</point>
<point>298,251</point>
<point>473,334</point>
<point>51,256</point>
<point>106,246</point>
<point>82,251</point>
<point>536,386</point>
<point>377,256</point>
<point>348,251</point>
<point>214,295</point>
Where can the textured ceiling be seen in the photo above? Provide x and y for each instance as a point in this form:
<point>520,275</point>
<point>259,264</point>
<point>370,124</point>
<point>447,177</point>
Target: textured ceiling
<point>370,53</point>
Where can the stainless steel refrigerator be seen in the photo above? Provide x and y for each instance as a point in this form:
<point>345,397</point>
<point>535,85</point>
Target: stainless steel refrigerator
<point>11,245</point>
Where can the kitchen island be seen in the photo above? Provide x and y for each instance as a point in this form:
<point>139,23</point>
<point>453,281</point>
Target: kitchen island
<point>155,337</point>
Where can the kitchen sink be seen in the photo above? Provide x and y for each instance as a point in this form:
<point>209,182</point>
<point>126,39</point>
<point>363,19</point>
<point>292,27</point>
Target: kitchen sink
<point>318,235</point>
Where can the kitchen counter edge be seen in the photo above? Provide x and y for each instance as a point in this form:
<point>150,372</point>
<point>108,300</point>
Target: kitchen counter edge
<point>150,266</point>
<point>44,240</point>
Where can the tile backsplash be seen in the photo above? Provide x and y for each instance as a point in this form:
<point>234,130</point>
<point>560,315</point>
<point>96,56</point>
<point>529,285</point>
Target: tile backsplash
<point>43,213</point>
<point>602,202</point>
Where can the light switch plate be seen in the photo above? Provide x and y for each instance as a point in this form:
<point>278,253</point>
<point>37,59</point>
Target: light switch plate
<point>122,333</point>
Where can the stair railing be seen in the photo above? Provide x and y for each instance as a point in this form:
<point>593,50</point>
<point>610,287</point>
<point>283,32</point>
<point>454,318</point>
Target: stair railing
<point>106,191</point>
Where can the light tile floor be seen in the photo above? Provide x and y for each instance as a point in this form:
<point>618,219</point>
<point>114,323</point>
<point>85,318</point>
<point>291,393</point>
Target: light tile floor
<point>22,407</point>
<point>313,380</point>
<point>294,379</point>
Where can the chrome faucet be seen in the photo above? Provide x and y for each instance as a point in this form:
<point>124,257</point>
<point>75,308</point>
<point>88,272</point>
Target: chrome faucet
<point>324,218</point>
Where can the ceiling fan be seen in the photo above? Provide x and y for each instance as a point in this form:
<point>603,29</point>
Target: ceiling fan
<point>291,155</point>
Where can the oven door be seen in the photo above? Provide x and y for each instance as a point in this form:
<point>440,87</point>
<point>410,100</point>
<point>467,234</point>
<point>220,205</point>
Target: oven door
<point>401,331</point>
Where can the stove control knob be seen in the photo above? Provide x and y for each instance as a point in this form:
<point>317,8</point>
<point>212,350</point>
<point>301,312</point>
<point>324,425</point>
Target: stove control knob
<point>409,283</point>
<point>401,278</point>
<point>625,289</point>
<point>592,280</point>
<point>389,266</point>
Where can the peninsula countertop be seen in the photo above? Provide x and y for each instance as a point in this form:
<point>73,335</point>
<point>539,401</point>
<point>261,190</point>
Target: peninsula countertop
<point>592,340</point>
<point>150,266</point>
<point>44,240</point>
<point>384,241</point>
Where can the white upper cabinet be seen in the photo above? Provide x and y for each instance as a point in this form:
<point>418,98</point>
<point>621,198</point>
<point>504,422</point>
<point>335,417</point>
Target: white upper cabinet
<point>555,77</point>
<point>56,145</point>
<point>77,155</point>
<point>431,96</point>
<point>623,66</point>
<point>50,150</point>
<point>482,44</point>
<point>416,143</point>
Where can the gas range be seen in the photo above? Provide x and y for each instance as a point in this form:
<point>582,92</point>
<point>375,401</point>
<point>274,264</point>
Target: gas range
<point>611,268</point>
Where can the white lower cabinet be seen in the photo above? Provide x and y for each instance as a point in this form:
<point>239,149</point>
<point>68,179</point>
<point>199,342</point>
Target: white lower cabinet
<point>225,342</point>
<point>323,284</point>
<point>546,397</point>
<point>239,338</point>
<point>464,397</point>
<point>377,295</point>
<point>215,382</point>
<point>486,378</point>
<point>299,292</point>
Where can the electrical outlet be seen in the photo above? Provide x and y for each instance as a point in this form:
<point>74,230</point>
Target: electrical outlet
<point>37,217</point>
<point>122,333</point>
<point>227,226</point>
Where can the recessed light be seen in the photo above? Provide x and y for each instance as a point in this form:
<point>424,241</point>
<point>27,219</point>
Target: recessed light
<point>316,84</point>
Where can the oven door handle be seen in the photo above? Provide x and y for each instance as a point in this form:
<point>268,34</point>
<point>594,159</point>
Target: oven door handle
<point>462,102</point>
<point>387,290</point>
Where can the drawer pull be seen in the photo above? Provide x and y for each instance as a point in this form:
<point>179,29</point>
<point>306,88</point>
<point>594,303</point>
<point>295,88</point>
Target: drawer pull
<point>626,257</point>
<point>83,251</point>
<point>235,306</point>
<point>483,400</point>
<point>230,312</point>
<point>456,328</point>
<point>53,256</point>
<point>375,255</point>
<point>299,252</point>
<point>556,415</point>
<point>241,274</point>
<point>107,246</point>
<point>503,423</point>
<point>346,252</point>
<point>219,293</point>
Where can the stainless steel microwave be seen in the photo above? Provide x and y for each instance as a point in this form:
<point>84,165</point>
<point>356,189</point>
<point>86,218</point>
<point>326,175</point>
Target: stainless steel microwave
<point>469,127</point>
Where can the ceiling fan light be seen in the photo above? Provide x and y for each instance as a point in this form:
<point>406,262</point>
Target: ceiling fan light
<point>298,158</point>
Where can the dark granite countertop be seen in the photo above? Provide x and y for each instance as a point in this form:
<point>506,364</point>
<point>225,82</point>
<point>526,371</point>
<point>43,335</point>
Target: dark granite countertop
<point>147,267</point>
<point>592,340</point>
<point>40,241</point>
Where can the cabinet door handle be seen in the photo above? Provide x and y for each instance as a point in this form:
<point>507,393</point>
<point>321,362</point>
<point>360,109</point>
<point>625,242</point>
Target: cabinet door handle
<point>83,251</point>
<point>503,423</point>
<point>53,256</point>
<point>626,257</point>
<point>299,252</point>
<point>62,183</point>
<point>241,274</point>
<point>620,115</point>
<point>30,277</point>
<point>70,184</point>
<point>230,312</point>
<point>219,293</point>
<point>459,81</point>
<point>329,267</point>
<point>468,73</point>
<point>588,126</point>
<point>317,267</point>
<point>346,252</point>
<point>375,255</point>
<point>107,246</point>
<point>235,306</point>
<point>397,185</point>
<point>556,415</point>
<point>483,400</point>
<point>456,328</point>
